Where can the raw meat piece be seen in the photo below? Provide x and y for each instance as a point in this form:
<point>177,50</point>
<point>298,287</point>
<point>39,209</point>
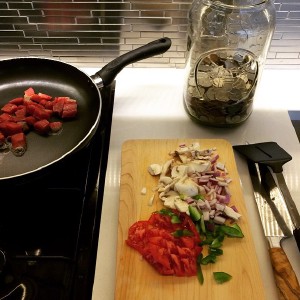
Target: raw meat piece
<point>17,101</point>
<point>30,120</point>
<point>42,126</point>
<point>69,109</point>
<point>18,143</point>
<point>9,108</point>
<point>55,126</point>
<point>10,128</point>
<point>2,139</point>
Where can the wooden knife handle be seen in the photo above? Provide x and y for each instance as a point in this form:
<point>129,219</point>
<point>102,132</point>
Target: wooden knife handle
<point>285,276</point>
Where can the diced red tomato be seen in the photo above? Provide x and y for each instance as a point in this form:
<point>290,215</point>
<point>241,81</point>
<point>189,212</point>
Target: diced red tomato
<point>168,254</point>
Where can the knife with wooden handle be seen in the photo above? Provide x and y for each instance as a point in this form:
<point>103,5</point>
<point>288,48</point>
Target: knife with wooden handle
<point>272,155</point>
<point>277,225</point>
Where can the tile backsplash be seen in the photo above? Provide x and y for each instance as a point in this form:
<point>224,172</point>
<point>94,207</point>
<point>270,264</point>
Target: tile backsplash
<point>92,33</point>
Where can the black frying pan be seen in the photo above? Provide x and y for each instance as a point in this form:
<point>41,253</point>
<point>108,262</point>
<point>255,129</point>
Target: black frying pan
<point>60,79</point>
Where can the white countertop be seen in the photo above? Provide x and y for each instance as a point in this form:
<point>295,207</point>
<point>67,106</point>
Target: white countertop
<point>149,105</point>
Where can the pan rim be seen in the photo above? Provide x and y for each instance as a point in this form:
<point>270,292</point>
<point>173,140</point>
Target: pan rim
<point>78,145</point>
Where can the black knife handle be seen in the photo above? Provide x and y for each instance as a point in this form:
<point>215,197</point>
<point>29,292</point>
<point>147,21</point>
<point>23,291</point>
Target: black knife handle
<point>296,233</point>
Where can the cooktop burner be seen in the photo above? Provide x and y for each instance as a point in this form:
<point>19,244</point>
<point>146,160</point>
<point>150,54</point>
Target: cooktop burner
<point>49,226</point>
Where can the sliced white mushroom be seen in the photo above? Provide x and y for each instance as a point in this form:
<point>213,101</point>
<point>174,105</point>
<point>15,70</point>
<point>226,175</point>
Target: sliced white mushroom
<point>155,169</point>
<point>166,168</point>
<point>169,199</point>
<point>183,158</point>
<point>220,166</point>
<point>181,205</point>
<point>170,194</point>
<point>169,202</point>
<point>186,186</point>
<point>165,180</point>
<point>179,171</point>
<point>198,166</point>
<point>229,212</point>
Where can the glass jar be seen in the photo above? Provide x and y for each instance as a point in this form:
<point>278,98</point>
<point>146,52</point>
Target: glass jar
<point>228,41</point>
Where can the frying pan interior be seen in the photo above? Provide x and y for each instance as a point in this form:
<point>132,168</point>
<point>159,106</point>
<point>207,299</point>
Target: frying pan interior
<point>56,79</point>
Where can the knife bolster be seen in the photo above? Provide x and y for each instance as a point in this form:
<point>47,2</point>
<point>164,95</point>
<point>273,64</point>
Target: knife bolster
<point>274,241</point>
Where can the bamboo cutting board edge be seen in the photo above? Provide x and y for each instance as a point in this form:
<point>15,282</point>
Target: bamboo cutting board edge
<point>135,278</point>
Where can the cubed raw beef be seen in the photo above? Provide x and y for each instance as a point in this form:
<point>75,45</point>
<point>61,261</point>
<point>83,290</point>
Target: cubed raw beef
<point>2,139</point>
<point>30,120</point>
<point>21,112</point>
<point>42,113</point>
<point>18,143</point>
<point>42,126</point>
<point>17,101</point>
<point>45,96</point>
<point>55,126</point>
<point>36,98</point>
<point>58,105</point>
<point>6,117</point>
<point>9,108</point>
<point>10,128</point>
<point>69,109</point>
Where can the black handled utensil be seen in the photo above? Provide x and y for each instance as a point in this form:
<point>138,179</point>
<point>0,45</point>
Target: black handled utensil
<point>272,155</point>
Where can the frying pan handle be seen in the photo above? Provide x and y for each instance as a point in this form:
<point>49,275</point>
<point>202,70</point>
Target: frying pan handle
<point>108,73</point>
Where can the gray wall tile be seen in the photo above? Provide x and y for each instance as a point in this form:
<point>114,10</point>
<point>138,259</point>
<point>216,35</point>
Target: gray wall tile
<point>91,33</point>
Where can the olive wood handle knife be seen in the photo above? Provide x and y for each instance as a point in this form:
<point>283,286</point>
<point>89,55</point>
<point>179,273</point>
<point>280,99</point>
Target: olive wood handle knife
<point>273,214</point>
<point>285,277</point>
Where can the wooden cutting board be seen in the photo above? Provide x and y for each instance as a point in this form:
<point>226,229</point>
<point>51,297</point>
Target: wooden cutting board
<point>135,278</point>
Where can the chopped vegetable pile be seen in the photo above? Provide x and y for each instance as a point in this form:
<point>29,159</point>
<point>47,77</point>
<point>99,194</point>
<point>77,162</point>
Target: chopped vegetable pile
<point>194,187</point>
<point>195,182</point>
<point>32,111</point>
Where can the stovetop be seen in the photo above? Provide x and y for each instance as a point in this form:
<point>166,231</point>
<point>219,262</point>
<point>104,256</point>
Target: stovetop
<point>49,226</point>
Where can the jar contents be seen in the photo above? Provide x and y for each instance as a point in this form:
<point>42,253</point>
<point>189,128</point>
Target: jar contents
<point>221,88</point>
<point>227,45</point>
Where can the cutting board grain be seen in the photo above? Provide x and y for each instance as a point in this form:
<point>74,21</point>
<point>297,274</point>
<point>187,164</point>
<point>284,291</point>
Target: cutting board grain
<point>135,278</point>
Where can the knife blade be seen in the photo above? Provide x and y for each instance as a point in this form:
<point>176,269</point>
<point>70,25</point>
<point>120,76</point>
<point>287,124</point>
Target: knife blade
<point>291,206</point>
<point>272,155</point>
<point>278,204</point>
<point>275,231</point>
